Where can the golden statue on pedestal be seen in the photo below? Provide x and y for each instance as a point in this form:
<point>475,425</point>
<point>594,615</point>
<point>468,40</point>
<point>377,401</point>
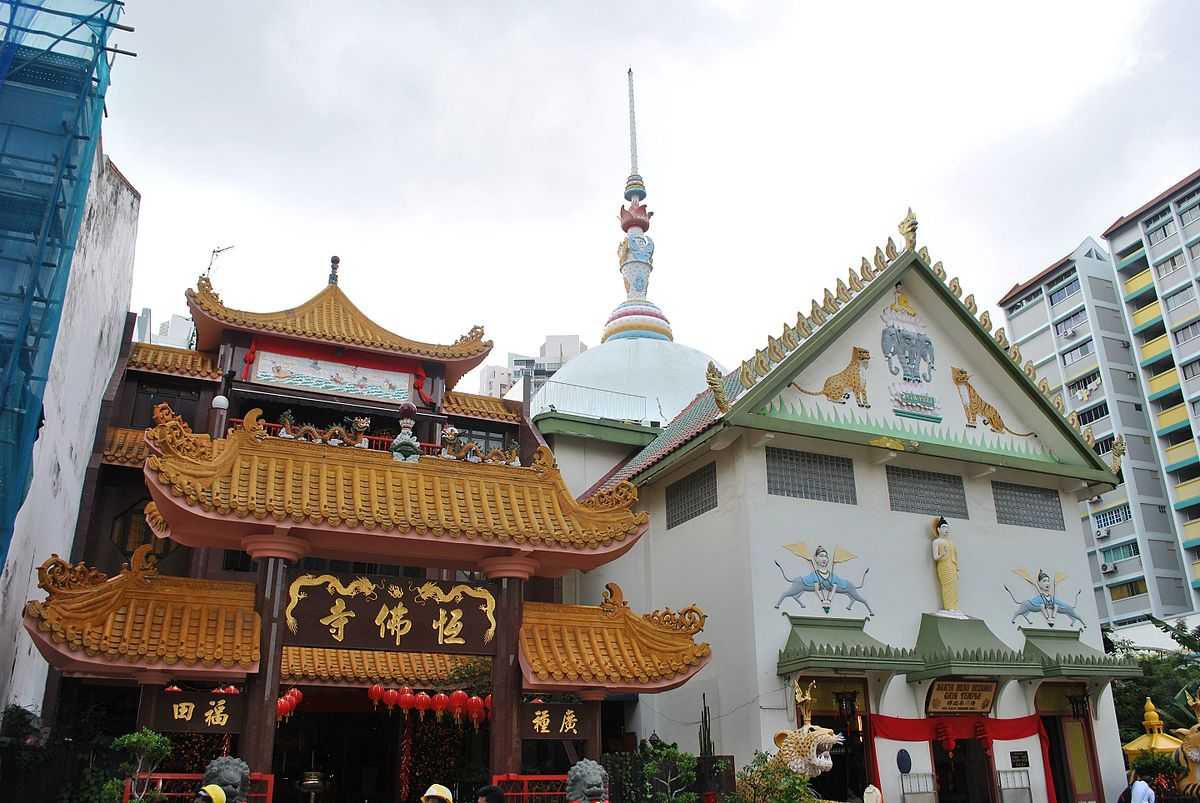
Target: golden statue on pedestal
<point>945,561</point>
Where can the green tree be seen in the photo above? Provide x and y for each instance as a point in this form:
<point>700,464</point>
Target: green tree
<point>762,781</point>
<point>146,750</point>
<point>669,771</point>
<point>1163,678</point>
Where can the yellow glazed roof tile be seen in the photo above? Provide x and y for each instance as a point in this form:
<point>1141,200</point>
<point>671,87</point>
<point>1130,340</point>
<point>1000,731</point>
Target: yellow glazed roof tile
<point>167,360</point>
<point>125,447</point>
<point>471,405</point>
<point>328,317</point>
<point>609,646</point>
<point>250,474</point>
<point>419,670</point>
<point>143,618</point>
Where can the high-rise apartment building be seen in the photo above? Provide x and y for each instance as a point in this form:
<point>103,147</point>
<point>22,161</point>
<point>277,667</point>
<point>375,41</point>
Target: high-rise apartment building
<point>1068,321</point>
<point>556,351</point>
<point>1156,257</point>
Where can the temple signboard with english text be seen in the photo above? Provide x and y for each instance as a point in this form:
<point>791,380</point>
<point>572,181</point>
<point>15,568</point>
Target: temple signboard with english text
<point>961,697</point>
<point>396,614</point>
<point>198,712</point>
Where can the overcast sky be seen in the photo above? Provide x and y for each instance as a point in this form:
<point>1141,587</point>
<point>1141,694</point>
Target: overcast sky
<point>466,161</point>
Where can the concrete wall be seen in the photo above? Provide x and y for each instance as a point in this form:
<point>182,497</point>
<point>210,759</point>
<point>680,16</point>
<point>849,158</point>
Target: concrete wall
<point>85,355</point>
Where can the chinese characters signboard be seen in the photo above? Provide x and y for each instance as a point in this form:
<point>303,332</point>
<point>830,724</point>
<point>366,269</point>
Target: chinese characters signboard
<point>961,697</point>
<point>198,712</point>
<point>555,721</point>
<point>397,614</point>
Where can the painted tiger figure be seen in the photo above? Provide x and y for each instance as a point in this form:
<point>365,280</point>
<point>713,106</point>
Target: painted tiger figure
<point>975,407</point>
<point>845,382</point>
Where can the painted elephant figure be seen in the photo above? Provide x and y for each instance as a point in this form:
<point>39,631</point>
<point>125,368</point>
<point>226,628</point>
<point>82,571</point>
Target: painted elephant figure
<point>909,349</point>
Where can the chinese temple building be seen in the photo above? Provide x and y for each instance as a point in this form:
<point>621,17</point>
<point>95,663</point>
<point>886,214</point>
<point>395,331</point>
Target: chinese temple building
<point>304,501</point>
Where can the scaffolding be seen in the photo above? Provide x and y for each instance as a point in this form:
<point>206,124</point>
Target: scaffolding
<point>54,71</point>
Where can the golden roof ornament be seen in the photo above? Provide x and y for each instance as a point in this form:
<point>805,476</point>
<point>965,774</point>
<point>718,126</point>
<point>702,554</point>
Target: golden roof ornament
<point>804,699</point>
<point>908,230</point>
<point>716,383</point>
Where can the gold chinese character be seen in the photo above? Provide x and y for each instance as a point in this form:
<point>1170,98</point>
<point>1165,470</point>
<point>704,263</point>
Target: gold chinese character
<point>448,631</point>
<point>541,721</point>
<point>570,723</point>
<point>183,711</point>
<point>391,620</point>
<point>337,619</point>
<point>216,715</point>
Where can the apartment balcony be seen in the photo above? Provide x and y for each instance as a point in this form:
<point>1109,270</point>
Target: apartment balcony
<point>1155,349</point>
<point>1162,384</point>
<point>1147,315</point>
<point>1132,258</point>
<point>1181,455</point>
<point>1191,534</point>
<point>1137,283</point>
<point>1195,575</point>
<point>1188,494</point>
<point>1171,419</point>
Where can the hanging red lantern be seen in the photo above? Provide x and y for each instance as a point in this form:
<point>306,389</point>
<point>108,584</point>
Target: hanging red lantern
<point>296,694</point>
<point>218,690</point>
<point>421,702</point>
<point>440,703</point>
<point>283,707</point>
<point>172,689</point>
<point>407,700</point>
<point>390,698</point>
<point>475,710</point>
<point>458,704</point>
<point>231,690</point>
<point>375,694</point>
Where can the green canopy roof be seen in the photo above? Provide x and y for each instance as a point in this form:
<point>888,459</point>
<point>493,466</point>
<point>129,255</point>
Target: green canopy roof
<point>953,647</point>
<point>1061,654</point>
<point>819,642</point>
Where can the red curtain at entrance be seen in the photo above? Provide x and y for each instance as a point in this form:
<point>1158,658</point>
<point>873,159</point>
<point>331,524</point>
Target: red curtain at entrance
<point>315,351</point>
<point>949,729</point>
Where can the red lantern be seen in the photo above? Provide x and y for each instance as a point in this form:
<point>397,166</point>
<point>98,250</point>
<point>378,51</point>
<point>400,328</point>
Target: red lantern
<point>172,689</point>
<point>231,690</point>
<point>407,700</point>
<point>218,690</point>
<point>390,698</point>
<point>440,703</point>
<point>375,694</point>
<point>421,702</point>
<point>283,707</point>
<point>296,695</point>
<point>475,710</point>
<point>458,704</point>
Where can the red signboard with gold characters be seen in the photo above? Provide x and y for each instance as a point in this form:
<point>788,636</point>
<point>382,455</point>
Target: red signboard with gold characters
<point>396,614</point>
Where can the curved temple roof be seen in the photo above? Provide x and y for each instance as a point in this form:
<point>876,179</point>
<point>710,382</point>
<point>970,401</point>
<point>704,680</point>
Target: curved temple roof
<point>608,646</point>
<point>157,359</point>
<point>329,317</point>
<point>141,620</point>
<point>364,505</point>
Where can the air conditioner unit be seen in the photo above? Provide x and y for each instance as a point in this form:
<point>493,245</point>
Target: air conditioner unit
<point>1068,333</point>
<point>1095,500</point>
<point>1130,375</point>
<point>1103,532</point>
<point>1124,344</point>
<point>1107,568</point>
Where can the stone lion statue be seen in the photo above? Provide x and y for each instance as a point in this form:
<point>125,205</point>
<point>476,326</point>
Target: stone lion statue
<point>587,781</point>
<point>231,774</point>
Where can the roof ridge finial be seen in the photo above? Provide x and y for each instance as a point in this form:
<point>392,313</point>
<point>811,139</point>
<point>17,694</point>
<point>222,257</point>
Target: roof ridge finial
<point>333,269</point>
<point>632,128</point>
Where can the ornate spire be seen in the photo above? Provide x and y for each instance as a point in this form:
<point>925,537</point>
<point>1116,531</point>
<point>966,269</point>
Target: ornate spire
<point>333,268</point>
<point>637,317</point>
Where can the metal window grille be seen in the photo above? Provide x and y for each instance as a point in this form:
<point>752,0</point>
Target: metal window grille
<point>1014,786</point>
<point>1126,551</point>
<point>1028,506</point>
<point>914,491</point>
<point>1114,515</point>
<point>1078,353</point>
<point>806,475</point>
<point>918,787</point>
<point>694,494</point>
<point>1093,413</point>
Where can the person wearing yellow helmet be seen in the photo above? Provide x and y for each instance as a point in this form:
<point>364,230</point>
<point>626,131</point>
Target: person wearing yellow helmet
<point>210,793</point>
<point>437,794</point>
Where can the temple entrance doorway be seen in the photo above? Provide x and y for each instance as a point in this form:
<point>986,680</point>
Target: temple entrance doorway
<point>368,755</point>
<point>964,774</point>
<point>1065,716</point>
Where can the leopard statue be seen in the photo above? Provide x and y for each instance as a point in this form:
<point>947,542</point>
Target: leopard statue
<point>230,775</point>
<point>846,382</point>
<point>587,781</point>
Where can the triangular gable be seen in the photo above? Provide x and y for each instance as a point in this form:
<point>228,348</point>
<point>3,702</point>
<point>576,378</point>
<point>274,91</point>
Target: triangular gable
<point>743,398</point>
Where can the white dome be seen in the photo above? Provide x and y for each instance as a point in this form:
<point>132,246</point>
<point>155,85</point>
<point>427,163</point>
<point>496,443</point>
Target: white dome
<point>628,379</point>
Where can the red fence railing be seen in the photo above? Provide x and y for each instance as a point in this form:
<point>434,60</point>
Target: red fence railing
<point>182,786</point>
<point>532,788</point>
<point>380,443</point>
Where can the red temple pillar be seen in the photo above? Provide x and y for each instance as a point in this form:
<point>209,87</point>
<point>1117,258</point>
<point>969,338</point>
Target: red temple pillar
<point>275,552</point>
<point>505,746</point>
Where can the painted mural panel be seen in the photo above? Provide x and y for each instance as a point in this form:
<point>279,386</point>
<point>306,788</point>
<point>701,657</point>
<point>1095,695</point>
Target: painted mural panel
<point>328,376</point>
<point>899,375</point>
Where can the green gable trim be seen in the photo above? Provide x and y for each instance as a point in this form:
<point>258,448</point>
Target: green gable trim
<point>1182,464</point>
<point>952,647</point>
<point>822,642</point>
<point>1148,324</point>
<point>1163,393</point>
<point>1061,654</point>
<point>746,410</point>
<point>601,429</point>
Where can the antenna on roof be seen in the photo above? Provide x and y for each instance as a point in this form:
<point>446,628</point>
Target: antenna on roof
<point>212,258</point>
<point>632,128</point>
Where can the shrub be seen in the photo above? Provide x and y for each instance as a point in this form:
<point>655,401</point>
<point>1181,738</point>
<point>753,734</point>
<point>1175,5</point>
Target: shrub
<point>760,781</point>
<point>146,749</point>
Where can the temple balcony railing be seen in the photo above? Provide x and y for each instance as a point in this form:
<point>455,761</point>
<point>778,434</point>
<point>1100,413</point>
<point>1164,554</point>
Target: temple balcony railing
<point>380,443</point>
<point>563,397</point>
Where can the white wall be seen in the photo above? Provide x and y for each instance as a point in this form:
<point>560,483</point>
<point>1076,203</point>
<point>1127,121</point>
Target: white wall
<point>84,357</point>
